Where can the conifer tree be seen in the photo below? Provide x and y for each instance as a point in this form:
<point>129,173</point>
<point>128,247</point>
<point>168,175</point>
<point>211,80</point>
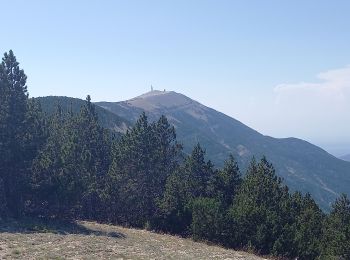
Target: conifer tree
<point>93,142</point>
<point>256,210</point>
<point>199,173</point>
<point>336,242</point>
<point>13,128</point>
<point>130,174</point>
<point>142,161</point>
<point>49,174</point>
<point>308,232</point>
<point>226,182</point>
<point>167,152</point>
<point>189,182</point>
<point>3,146</point>
<point>71,170</point>
<point>174,206</point>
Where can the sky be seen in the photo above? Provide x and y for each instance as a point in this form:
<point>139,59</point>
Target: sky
<point>281,67</point>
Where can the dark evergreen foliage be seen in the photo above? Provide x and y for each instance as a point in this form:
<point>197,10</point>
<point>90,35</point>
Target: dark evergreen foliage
<point>226,182</point>
<point>191,180</point>
<point>70,172</point>
<point>336,242</point>
<point>142,161</point>
<point>20,135</point>
<point>308,228</point>
<point>208,219</point>
<point>257,208</point>
<point>65,165</point>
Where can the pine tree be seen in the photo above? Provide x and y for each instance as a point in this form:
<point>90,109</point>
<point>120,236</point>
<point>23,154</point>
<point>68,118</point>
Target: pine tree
<point>142,161</point>
<point>189,182</point>
<point>94,160</point>
<point>199,173</point>
<point>3,146</point>
<point>226,182</point>
<point>50,189</point>
<point>174,205</point>
<point>336,242</point>
<point>167,152</point>
<point>129,174</point>
<point>308,233</point>
<point>256,211</point>
<point>13,127</point>
<point>70,173</point>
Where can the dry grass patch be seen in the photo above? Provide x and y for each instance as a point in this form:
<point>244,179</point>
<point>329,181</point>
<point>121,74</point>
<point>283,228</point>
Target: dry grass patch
<point>89,240</point>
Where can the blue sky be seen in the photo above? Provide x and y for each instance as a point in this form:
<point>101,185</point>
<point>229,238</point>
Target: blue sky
<point>280,67</point>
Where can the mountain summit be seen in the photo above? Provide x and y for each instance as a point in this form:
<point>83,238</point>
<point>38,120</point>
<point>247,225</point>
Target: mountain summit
<point>303,166</point>
<point>156,99</point>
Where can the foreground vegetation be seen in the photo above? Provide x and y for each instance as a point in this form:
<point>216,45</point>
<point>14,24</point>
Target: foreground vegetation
<point>66,166</point>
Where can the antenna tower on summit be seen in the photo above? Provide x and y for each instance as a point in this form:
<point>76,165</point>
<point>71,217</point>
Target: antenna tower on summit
<point>151,88</point>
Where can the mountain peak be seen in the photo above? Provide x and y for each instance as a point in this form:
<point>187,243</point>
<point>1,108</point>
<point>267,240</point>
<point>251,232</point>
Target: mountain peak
<point>301,164</point>
<point>153,93</point>
<point>160,99</point>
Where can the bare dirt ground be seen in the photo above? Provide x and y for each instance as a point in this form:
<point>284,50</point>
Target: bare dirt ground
<point>89,240</point>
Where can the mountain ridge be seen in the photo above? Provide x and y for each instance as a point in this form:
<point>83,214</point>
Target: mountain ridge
<point>301,164</point>
<point>345,157</point>
<point>106,118</point>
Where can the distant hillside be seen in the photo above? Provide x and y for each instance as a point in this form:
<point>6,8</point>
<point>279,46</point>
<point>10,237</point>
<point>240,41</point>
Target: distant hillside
<point>345,157</point>
<point>303,166</point>
<point>107,119</point>
<point>88,240</point>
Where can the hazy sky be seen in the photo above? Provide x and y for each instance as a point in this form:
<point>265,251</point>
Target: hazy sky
<point>281,67</point>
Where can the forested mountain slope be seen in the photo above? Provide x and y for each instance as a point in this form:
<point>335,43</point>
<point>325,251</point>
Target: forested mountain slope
<point>303,166</point>
<point>106,118</point>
